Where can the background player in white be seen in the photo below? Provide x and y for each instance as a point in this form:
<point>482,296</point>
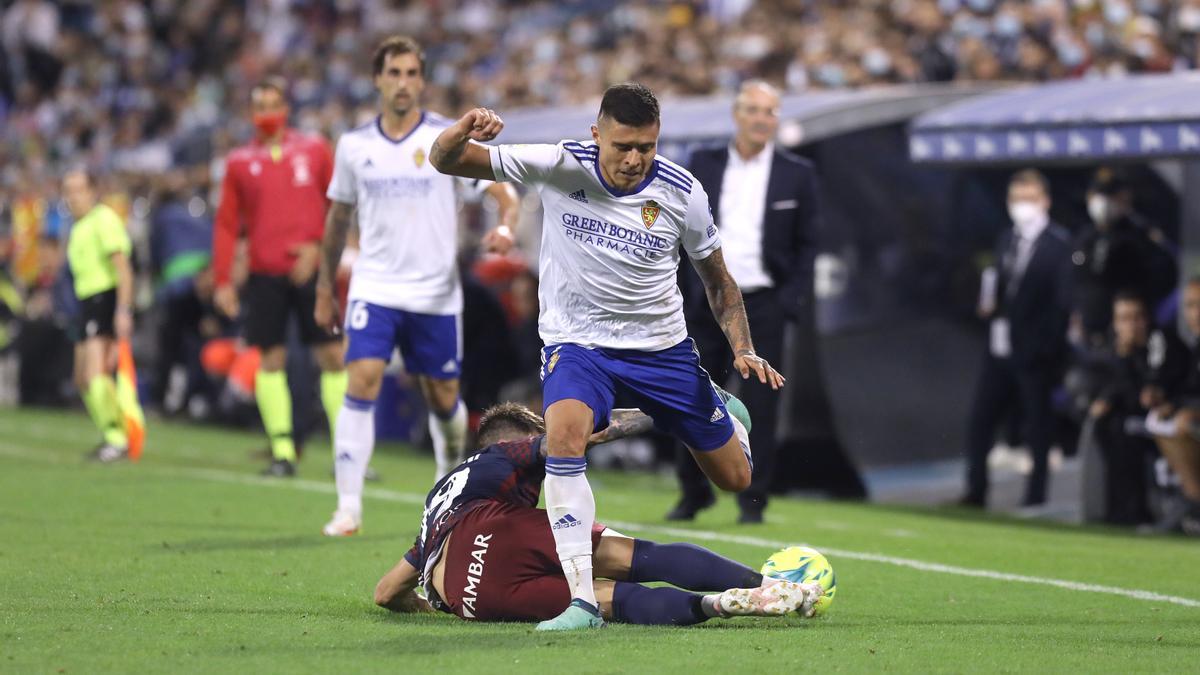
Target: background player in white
<point>615,217</point>
<point>404,289</point>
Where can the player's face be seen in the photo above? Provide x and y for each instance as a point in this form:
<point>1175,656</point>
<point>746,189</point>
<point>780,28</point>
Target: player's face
<point>626,152</point>
<point>78,193</point>
<point>267,101</point>
<point>756,116</point>
<point>1191,307</point>
<point>400,83</point>
<point>1129,323</point>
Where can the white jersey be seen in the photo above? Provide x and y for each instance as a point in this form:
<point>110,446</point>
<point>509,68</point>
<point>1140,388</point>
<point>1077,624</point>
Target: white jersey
<point>407,218</point>
<point>609,258</point>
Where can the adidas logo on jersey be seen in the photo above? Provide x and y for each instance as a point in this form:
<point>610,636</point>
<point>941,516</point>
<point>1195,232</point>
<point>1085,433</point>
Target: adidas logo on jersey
<point>579,196</point>
<point>565,522</point>
<point>717,415</point>
<point>450,366</point>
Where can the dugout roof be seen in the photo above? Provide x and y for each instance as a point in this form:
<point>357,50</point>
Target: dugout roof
<point>805,117</point>
<point>1136,118</point>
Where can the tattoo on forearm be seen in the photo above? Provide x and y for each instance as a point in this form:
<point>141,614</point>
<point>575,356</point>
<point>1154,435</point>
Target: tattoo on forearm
<point>623,422</point>
<point>725,299</point>
<point>445,157</point>
<point>337,224</point>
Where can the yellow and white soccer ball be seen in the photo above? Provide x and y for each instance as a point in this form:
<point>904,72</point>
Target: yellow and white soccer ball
<point>804,565</point>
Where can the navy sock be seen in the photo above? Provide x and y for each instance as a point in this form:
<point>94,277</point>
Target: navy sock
<point>656,606</point>
<point>689,566</point>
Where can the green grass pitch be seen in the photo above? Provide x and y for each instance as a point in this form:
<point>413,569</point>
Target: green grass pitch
<point>187,562</point>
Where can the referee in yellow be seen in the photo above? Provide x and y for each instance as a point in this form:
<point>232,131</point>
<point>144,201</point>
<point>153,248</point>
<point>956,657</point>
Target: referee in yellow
<point>98,255</point>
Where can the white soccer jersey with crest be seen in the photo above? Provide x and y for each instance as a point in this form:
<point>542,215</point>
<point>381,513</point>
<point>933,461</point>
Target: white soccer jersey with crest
<point>609,258</point>
<point>407,217</point>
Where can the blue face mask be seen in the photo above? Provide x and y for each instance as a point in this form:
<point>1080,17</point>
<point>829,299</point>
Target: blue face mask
<point>1151,7</point>
<point>876,62</point>
<point>949,7</point>
<point>1070,54</point>
<point>980,6</point>
<point>831,75</point>
<point>1095,36</point>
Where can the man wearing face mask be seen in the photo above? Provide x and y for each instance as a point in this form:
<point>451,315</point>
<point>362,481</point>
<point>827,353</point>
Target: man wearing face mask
<point>274,193</point>
<point>1026,299</point>
<point>1114,254</point>
<point>764,202</point>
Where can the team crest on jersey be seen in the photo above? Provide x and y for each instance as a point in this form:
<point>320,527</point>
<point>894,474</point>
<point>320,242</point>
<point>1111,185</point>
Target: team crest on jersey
<point>650,213</point>
<point>552,362</point>
<point>419,157</point>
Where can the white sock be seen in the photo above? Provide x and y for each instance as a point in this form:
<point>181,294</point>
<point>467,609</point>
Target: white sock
<point>572,511</point>
<point>353,443</point>
<point>743,437</point>
<point>449,439</point>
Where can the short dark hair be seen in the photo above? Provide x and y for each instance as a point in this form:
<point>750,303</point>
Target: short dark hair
<point>1031,177</point>
<point>396,44</point>
<point>630,104</point>
<point>506,419</point>
<point>271,83</point>
<point>1129,295</point>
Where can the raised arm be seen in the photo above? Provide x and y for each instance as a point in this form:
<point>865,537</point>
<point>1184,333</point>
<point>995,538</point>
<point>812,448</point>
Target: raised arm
<point>337,224</point>
<point>725,299</point>
<point>454,154</point>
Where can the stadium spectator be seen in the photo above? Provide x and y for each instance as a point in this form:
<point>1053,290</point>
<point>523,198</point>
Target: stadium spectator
<point>180,253</point>
<point>274,187</point>
<point>1027,306</point>
<point>1115,253</point>
<point>1175,418</point>
<point>764,201</point>
<point>1119,406</point>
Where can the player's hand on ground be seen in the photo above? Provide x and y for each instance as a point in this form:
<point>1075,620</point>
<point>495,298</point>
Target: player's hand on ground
<point>499,240</point>
<point>308,256</point>
<point>481,124</point>
<point>325,311</point>
<point>226,300</point>
<point>411,603</point>
<point>750,364</point>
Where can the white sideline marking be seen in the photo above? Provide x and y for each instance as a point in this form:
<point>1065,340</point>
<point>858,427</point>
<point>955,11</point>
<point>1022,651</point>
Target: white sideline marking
<point>232,477</point>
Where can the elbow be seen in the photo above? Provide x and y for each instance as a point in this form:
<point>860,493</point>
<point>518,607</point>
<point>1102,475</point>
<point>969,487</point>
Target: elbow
<point>383,594</point>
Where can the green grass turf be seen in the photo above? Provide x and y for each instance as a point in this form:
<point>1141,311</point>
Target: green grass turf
<point>187,562</point>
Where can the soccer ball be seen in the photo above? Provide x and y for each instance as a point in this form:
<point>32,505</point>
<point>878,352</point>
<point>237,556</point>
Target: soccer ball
<point>804,565</point>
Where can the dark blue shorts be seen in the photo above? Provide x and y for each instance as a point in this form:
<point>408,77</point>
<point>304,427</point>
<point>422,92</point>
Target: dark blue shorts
<point>429,343</point>
<point>668,385</point>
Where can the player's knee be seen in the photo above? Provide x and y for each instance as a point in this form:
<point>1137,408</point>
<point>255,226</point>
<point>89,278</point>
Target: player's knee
<point>273,359</point>
<point>363,383</point>
<point>444,396</point>
<point>734,479</point>
<point>330,357</point>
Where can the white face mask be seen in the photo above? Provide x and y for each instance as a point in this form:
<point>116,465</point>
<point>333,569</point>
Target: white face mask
<point>1027,217</point>
<point>1100,209</point>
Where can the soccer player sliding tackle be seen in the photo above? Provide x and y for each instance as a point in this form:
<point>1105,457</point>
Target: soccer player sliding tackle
<point>615,218</point>
<point>486,553</point>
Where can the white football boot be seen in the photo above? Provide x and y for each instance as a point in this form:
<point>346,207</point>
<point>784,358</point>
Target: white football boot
<point>343,524</point>
<point>775,597</point>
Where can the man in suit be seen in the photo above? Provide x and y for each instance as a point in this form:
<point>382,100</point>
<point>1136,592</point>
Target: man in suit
<point>764,202</point>
<point>1027,302</point>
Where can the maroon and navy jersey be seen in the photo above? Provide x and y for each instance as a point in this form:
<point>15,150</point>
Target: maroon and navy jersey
<point>510,472</point>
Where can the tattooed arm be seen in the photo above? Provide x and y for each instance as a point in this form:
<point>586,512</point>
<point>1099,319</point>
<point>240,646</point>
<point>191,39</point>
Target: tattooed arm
<point>622,423</point>
<point>337,224</point>
<point>725,299</point>
<point>453,153</point>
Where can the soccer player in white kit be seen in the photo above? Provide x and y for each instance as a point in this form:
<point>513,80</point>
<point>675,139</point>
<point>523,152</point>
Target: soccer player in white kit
<point>615,217</point>
<point>404,287</point>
